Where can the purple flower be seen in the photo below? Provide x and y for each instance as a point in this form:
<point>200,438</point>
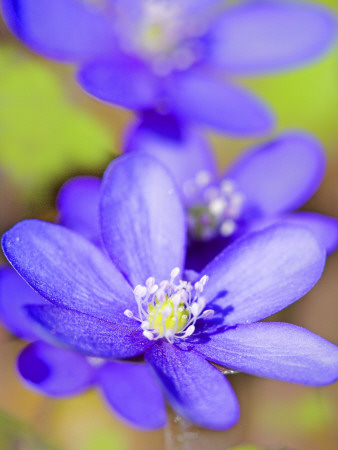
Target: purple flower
<point>264,185</point>
<point>173,55</point>
<point>135,298</point>
<point>58,372</point>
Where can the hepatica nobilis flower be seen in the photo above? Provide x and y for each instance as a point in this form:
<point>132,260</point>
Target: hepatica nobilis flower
<point>264,185</point>
<point>173,54</point>
<point>136,298</point>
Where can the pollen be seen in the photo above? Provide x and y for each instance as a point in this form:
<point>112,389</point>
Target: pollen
<point>167,316</point>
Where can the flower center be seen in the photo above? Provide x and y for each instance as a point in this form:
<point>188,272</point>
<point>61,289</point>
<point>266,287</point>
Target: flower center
<point>213,209</point>
<point>159,33</point>
<point>170,309</point>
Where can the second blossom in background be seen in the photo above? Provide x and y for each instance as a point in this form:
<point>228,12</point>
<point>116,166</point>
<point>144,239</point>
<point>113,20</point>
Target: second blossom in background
<point>177,56</point>
<point>265,184</point>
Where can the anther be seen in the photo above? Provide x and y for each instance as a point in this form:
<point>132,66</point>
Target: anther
<point>140,291</point>
<point>227,228</point>
<point>202,178</point>
<point>189,331</point>
<point>217,206</point>
<point>227,186</point>
<point>204,280</point>
<point>148,334</point>
<point>150,282</point>
<point>195,309</point>
<point>166,311</point>
<point>153,289</point>
<point>164,284</point>
<point>176,299</point>
<point>128,313</point>
<point>198,287</point>
<point>174,273</point>
<point>169,334</point>
<point>145,325</point>
<point>208,314</point>
<point>201,302</point>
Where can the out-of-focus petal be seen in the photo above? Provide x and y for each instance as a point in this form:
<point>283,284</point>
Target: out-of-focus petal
<point>180,148</point>
<point>196,390</point>
<point>78,207</point>
<point>123,81</point>
<point>14,294</point>
<point>142,219</point>
<point>259,36</point>
<point>54,371</point>
<point>67,30</point>
<point>275,350</point>
<point>280,175</point>
<point>67,269</point>
<point>324,228</point>
<point>134,394</point>
<point>263,272</point>
<point>199,97</point>
<point>86,334</point>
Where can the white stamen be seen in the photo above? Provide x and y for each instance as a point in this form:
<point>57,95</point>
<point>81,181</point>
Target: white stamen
<point>164,284</point>
<point>174,273</point>
<point>166,311</point>
<point>150,282</point>
<point>169,310</point>
<point>140,291</point>
<point>227,186</point>
<point>149,335</point>
<point>214,208</point>
<point>217,206</point>
<point>153,289</point>
<point>189,331</point>
<point>176,299</point>
<point>208,314</point>
<point>227,228</point>
<point>95,362</point>
<point>198,287</point>
<point>145,325</point>
<point>201,302</point>
<point>204,280</point>
<point>202,178</point>
<point>195,309</point>
<point>211,193</point>
<point>160,295</point>
<point>169,334</point>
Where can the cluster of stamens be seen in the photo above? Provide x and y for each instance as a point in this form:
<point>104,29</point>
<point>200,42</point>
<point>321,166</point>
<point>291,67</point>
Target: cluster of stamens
<point>161,35</point>
<point>170,309</point>
<point>213,209</point>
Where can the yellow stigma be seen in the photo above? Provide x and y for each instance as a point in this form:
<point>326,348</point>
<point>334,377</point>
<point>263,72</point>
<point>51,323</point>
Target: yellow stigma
<point>166,316</point>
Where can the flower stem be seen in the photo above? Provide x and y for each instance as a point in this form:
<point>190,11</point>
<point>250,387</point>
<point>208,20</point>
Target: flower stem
<point>180,434</point>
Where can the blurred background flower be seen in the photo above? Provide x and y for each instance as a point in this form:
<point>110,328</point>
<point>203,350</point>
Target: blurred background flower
<point>42,108</point>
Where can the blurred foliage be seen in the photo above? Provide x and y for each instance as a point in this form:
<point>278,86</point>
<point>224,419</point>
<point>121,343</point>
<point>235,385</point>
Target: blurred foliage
<point>15,435</point>
<point>105,439</point>
<point>43,135</point>
<point>309,414</point>
<point>306,98</point>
